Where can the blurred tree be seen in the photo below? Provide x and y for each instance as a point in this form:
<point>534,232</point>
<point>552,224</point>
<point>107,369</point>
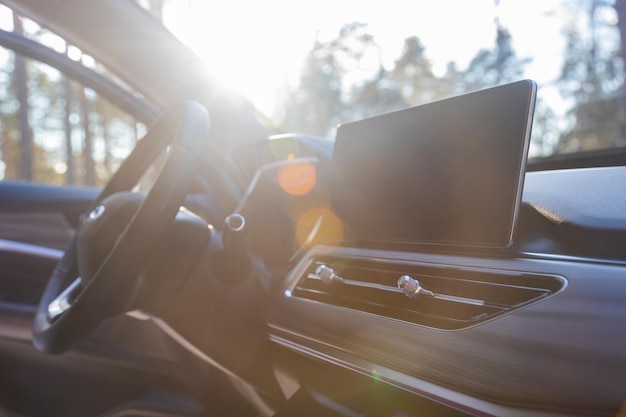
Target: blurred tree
<point>344,80</point>
<point>21,92</point>
<point>620,9</point>
<point>356,55</point>
<point>70,170</point>
<point>496,66</point>
<point>53,129</point>
<point>413,75</point>
<point>341,80</point>
<point>103,109</point>
<point>451,83</point>
<point>378,95</point>
<point>545,131</point>
<point>315,104</point>
<point>113,144</point>
<point>88,157</point>
<point>591,77</point>
<point>8,117</point>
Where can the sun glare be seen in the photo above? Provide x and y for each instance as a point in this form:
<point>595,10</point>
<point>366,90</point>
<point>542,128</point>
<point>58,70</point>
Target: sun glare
<point>246,46</point>
<point>319,226</point>
<point>257,48</point>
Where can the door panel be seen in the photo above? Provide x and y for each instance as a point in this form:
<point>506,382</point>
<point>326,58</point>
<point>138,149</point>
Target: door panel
<point>36,224</point>
<point>70,124</point>
<point>42,215</point>
<point>124,361</point>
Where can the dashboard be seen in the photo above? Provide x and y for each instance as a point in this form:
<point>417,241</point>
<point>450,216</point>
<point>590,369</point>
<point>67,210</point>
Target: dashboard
<point>535,327</point>
<point>547,338</point>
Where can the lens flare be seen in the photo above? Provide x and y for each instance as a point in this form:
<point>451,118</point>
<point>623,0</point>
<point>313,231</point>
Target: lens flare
<point>297,178</point>
<point>318,225</point>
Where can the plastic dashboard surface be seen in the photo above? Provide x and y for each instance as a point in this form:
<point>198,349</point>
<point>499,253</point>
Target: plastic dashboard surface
<point>561,355</point>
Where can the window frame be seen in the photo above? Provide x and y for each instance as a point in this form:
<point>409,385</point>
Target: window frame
<point>136,106</point>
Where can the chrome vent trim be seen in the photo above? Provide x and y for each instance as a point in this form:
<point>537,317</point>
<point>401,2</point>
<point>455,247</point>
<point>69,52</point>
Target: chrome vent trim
<point>452,298</point>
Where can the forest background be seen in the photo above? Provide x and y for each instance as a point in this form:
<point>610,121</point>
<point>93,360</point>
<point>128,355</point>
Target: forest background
<point>55,130</point>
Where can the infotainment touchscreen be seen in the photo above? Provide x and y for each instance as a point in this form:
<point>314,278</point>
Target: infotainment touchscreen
<point>448,172</point>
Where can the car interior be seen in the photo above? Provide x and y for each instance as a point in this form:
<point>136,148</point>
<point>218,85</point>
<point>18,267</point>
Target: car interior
<point>418,264</point>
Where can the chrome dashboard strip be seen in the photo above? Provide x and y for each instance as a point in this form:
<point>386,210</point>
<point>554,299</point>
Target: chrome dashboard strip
<point>442,395</point>
<point>28,249</point>
<point>571,258</point>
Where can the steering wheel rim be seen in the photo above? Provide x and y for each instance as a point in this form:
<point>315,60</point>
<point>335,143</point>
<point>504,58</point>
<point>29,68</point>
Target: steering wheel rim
<point>72,304</point>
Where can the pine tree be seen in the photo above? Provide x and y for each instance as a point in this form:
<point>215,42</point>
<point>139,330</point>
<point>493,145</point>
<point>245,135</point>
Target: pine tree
<point>591,77</point>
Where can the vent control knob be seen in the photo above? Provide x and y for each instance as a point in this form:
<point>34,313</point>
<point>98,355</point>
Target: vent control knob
<point>412,288</point>
<point>327,274</point>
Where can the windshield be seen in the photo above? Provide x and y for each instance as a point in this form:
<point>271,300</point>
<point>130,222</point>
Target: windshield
<point>311,66</point>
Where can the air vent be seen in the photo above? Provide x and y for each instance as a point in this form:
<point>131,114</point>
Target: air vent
<point>446,298</point>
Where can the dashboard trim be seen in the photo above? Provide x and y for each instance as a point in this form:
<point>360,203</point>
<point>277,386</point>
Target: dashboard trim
<point>28,249</point>
<point>571,258</point>
<point>442,395</point>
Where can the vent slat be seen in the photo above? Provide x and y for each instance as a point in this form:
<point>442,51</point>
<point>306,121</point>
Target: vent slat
<point>371,286</point>
<point>449,322</point>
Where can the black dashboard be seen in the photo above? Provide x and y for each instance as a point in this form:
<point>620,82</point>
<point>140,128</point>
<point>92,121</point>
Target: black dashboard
<point>532,328</point>
<point>560,352</point>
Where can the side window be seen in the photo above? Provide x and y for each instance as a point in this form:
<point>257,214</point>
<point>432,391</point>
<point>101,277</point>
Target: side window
<point>53,129</point>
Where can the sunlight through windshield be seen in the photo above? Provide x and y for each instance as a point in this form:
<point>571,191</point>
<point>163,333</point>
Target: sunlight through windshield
<point>311,66</point>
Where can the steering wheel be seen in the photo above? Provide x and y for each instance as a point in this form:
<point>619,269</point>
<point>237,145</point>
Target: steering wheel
<point>98,275</point>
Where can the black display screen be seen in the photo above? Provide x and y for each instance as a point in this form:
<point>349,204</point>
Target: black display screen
<point>448,172</point>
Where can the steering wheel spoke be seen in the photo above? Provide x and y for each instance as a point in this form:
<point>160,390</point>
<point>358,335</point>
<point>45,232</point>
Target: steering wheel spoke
<point>64,300</point>
<point>98,275</point>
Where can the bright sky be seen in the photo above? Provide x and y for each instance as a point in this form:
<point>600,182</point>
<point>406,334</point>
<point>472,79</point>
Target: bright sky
<point>255,46</point>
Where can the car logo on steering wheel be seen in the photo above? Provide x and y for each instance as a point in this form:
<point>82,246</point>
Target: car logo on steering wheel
<point>96,213</point>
